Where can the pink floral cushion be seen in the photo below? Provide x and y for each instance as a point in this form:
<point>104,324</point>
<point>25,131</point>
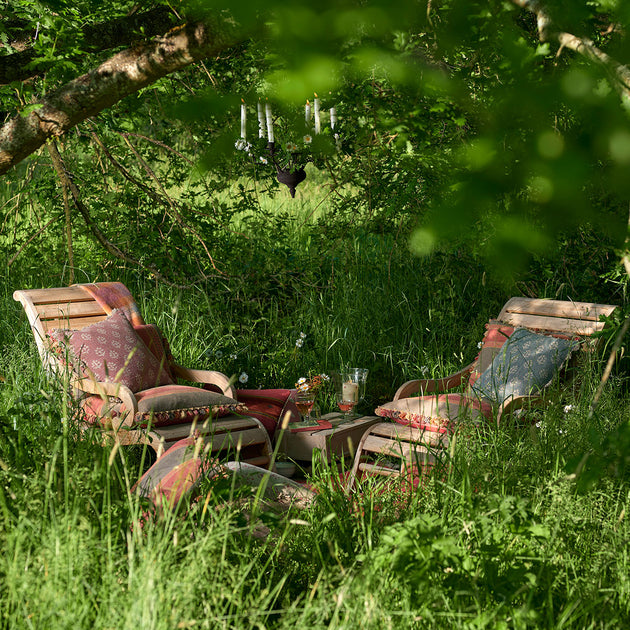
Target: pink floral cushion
<point>110,351</point>
<point>157,343</point>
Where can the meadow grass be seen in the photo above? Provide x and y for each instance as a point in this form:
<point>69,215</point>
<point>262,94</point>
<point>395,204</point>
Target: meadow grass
<point>502,534</point>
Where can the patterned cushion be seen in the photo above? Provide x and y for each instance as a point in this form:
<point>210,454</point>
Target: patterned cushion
<point>157,343</point>
<point>494,338</point>
<point>434,413</point>
<point>167,405</point>
<point>176,473</point>
<point>110,351</point>
<point>525,365</point>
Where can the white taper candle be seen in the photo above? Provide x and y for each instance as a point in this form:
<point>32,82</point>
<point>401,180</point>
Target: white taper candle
<point>318,124</point>
<point>262,127</point>
<point>269,122</point>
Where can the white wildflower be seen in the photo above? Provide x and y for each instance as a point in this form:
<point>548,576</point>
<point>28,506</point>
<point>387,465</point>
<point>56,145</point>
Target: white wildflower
<point>307,139</point>
<point>302,335</point>
<point>233,357</point>
<point>243,378</point>
<point>242,145</point>
<point>291,146</point>
<point>299,342</point>
<point>263,160</point>
<point>424,370</point>
<point>568,408</point>
<point>479,344</point>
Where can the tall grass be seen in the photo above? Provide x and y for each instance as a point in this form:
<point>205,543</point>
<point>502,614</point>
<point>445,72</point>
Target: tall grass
<point>502,535</point>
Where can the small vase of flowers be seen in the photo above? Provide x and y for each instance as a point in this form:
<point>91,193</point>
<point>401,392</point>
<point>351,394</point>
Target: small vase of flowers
<point>306,392</point>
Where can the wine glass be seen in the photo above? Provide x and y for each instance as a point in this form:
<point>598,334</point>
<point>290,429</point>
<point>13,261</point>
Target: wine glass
<point>346,391</point>
<point>304,400</point>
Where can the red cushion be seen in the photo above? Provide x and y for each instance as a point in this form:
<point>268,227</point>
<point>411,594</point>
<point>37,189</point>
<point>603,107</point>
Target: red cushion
<point>494,338</point>
<point>175,473</point>
<point>270,406</point>
<point>110,351</point>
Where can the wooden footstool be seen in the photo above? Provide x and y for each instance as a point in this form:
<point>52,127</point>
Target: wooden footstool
<point>341,441</point>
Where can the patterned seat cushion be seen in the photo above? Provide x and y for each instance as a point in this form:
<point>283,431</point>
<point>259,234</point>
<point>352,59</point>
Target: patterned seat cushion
<point>176,473</point>
<point>166,405</point>
<point>434,413</point>
<point>525,365</point>
<point>110,351</point>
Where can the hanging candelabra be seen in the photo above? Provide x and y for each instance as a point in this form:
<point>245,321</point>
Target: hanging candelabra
<point>289,160</point>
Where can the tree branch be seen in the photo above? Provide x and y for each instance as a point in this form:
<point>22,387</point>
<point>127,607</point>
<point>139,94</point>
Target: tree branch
<point>63,180</point>
<point>123,74</point>
<point>170,204</point>
<point>619,73</point>
<point>112,248</point>
<point>19,66</point>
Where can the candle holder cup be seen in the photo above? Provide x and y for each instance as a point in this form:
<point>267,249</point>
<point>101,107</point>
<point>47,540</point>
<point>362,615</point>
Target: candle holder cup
<point>359,375</point>
<point>349,389</point>
<point>290,175</point>
<point>290,178</point>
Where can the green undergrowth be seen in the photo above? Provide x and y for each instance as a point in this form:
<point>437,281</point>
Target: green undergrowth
<point>499,535</point>
<point>518,526</point>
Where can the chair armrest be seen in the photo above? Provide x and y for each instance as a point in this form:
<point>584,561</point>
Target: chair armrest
<point>209,377</point>
<point>110,390</point>
<point>432,385</point>
<point>518,402</point>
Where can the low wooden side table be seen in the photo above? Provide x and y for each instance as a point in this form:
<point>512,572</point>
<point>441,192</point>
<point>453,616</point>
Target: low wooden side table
<point>341,440</point>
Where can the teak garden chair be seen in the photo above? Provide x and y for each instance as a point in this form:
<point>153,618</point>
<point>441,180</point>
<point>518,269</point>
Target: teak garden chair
<point>139,401</point>
<point>522,351</point>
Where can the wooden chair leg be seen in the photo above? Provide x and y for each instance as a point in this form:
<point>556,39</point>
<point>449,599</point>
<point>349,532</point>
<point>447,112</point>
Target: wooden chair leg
<point>231,435</point>
<point>410,448</point>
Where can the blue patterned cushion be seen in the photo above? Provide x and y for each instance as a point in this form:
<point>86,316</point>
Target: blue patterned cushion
<point>525,365</point>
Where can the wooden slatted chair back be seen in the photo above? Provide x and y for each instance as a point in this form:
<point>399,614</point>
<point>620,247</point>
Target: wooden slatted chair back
<point>555,316</point>
<point>66,307</point>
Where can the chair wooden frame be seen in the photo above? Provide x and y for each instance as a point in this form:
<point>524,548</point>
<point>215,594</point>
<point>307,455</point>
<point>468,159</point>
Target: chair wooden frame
<point>412,446</point>
<point>73,308</point>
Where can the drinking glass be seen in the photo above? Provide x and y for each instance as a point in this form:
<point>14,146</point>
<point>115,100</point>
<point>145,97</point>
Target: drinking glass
<point>304,401</point>
<point>347,388</point>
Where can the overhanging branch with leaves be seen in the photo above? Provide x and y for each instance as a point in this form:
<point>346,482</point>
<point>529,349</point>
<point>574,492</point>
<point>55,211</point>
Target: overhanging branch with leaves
<point>123,74</point>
